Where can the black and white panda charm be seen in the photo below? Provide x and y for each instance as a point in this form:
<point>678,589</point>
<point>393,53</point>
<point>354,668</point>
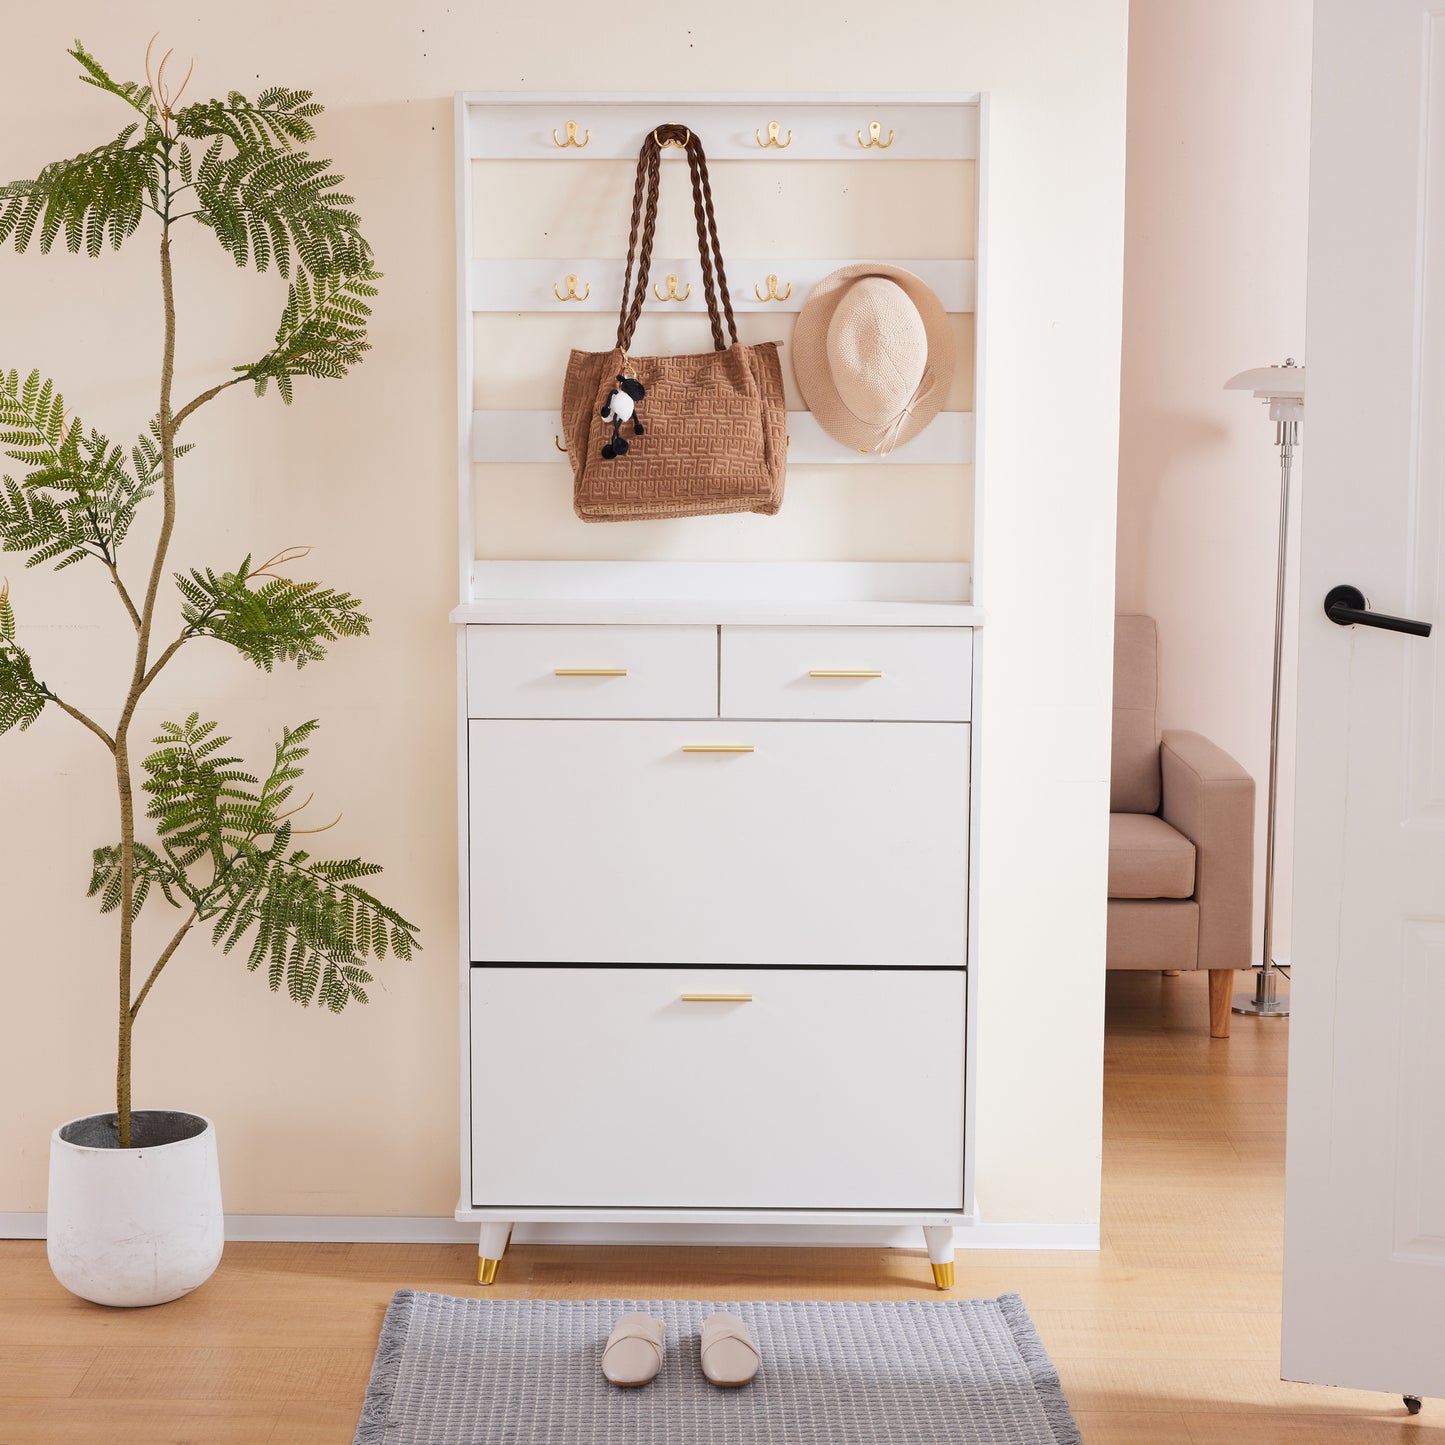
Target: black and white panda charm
<point>621,406</point>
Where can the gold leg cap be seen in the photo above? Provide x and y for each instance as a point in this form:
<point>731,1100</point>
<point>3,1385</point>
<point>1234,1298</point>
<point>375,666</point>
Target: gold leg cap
<point>943,1275</point>
<point>487,1271</point>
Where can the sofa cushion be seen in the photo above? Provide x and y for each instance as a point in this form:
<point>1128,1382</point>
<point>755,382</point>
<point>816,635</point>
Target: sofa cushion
<point>1153,933</point>
<point>1134,772</point>
<point>1148,858</point>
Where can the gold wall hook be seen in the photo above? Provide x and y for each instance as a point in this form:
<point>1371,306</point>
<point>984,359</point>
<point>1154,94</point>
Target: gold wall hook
<point>875,134</point>
<point>572,294</point>
<point>773,294</point>
<point>571,136</point>
<point>772,140</point>
<point>672,293</point>
<point>557,442</point>
<point>681,145</point>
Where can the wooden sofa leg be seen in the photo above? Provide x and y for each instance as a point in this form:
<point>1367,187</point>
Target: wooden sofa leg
<point>1221,996</point>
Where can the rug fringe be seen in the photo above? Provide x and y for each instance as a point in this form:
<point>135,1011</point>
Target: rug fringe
<point>1045,1377</point>
<point>376,1408</point>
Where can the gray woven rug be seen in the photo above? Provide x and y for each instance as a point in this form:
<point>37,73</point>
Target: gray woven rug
<point>527,1372</point>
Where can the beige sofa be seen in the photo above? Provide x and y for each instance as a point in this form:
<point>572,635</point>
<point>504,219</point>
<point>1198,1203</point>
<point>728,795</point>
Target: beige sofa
<point>1181,836</point>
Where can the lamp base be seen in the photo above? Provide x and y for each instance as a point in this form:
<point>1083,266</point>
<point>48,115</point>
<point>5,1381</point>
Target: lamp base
<point>1265,1001</point>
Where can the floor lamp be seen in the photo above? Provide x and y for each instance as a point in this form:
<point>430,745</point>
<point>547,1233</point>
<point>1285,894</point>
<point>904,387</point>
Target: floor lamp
<point>1282,388</point>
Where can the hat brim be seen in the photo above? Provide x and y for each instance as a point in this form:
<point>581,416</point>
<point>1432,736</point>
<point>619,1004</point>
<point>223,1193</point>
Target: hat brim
<point>815,379</point>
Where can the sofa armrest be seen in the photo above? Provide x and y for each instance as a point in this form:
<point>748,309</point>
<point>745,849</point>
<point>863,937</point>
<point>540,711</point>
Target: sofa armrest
<point>1210,799</point>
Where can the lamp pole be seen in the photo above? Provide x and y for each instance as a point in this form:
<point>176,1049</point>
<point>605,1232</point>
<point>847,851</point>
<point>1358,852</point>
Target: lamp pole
<point>1282,387</point>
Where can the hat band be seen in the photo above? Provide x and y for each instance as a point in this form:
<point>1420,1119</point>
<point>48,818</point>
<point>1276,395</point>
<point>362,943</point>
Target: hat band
<point>895,427</point>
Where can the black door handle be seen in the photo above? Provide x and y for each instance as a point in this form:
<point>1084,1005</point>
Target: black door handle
<point>1346,605</point>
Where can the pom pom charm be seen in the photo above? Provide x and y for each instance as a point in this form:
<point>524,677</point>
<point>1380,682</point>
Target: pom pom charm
<point>621,406</point>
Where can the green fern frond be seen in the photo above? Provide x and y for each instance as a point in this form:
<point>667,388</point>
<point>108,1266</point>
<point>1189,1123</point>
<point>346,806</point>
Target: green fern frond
<point>93,198</point>
<point>138,96</point>
<point>34,522</point>
<point>272,206</point>
<point>310,926</point>
<point>304,919</point>
<point>322,332</point>
<point>146,456</point>
<point>79,498</point>
<point>22,696</point>
<point>276,621</point>
<point>202,802</point>
<point>278,118</point>
<point>151,869</point>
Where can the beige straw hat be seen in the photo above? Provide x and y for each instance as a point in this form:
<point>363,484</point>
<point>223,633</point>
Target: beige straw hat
<point>873,355</point>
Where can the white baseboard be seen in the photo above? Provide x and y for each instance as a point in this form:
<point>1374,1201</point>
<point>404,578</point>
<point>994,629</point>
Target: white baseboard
<point>421,1229</point>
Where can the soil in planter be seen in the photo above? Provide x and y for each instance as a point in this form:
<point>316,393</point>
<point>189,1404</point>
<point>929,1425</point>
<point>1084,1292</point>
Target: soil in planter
<point>149,1129</point>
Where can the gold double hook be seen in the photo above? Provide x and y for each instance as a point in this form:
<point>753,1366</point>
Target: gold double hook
<point>772,140</point>
<point>875,134</point>
<point>572,293</point>
<point>672,140</point>
<point>571,136</point>
<point>672,293</point>
<point>773,294</point>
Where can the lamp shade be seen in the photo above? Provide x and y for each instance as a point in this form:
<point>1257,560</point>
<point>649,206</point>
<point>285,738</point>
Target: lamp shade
<point>1283,387</point>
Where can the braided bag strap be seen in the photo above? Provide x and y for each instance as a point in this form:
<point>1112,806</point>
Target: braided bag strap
<point>707,242</point>
<point>644,223</point>
<point>644,227</point>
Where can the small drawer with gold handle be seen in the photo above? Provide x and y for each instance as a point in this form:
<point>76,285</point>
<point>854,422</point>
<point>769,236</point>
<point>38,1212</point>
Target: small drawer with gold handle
<point>545,670</point>
<point>847,674</point>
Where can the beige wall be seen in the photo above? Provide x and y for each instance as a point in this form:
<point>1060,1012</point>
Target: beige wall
<point>357,1114</point>
<point>1213,283</point>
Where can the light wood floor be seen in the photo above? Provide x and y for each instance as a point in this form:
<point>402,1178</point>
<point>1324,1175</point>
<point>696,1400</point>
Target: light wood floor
<point>1168,1336</point>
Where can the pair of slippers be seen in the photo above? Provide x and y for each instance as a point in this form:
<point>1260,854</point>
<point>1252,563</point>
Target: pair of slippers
<point>633,1355</point>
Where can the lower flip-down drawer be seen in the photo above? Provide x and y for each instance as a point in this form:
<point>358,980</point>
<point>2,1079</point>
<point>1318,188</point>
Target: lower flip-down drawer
<point>686,1088</point>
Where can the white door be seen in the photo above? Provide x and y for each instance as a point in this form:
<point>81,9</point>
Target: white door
<point>1364,1283</point>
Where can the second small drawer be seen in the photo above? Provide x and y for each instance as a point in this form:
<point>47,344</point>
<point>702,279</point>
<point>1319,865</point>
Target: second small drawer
<point>542,671</point>
<point>904,674</point>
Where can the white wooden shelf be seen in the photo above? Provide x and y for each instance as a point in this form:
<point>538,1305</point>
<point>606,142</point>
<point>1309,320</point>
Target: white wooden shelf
<point>504,126</point>
<point>536,437</point>
<point>521,611</point>
<point>527,285</point>
<point>915,594</point>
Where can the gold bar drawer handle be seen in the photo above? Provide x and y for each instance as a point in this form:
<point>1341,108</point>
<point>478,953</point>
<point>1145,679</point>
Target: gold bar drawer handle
<point>590,672</point>
<point>845,672</point>
<point>717,998</point>
<point>717,747</point>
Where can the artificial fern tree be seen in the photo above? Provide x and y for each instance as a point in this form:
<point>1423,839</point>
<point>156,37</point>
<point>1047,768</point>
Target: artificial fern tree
<point>223,851</point>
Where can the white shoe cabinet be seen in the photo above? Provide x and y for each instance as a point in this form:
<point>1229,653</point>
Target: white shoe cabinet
<point>717,916</point>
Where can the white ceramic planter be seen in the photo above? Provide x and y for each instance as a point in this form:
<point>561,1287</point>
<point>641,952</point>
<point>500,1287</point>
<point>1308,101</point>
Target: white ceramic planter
<point>136,1226</point>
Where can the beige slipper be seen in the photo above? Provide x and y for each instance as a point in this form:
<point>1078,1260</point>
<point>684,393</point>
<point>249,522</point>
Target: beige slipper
<point>633,1355</point>
<point>729,1356</point>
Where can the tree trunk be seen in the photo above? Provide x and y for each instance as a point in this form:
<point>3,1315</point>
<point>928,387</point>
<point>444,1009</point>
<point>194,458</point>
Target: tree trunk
<point>126,1021</point>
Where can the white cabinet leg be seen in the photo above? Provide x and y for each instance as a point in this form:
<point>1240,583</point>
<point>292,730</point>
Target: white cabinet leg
<point>940,1253</point>
<point>491,1246</point>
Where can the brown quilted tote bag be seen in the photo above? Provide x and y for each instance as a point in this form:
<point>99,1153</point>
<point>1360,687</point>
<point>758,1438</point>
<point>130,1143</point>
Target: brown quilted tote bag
<point>709,432</point>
